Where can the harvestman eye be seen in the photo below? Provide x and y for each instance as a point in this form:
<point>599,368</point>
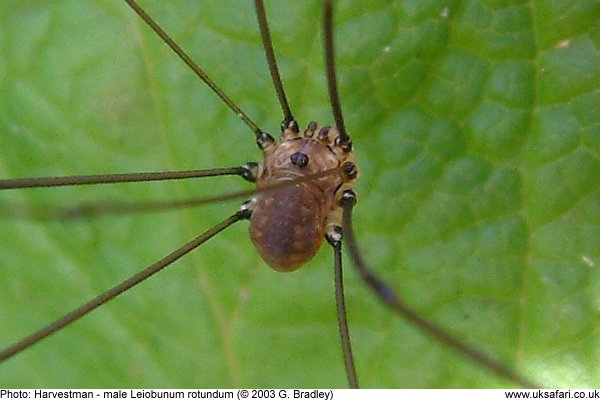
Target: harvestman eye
<point>299,159</point>
<point>304,196</point>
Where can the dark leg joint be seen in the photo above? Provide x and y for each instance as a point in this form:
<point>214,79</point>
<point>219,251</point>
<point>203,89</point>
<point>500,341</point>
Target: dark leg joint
<point>348,198</point>
<point>384,291</point>
<point>291,124</point>
<point>245,211</point>
<point>249,171</point>
<point>263,140</point>
<point>350,170</point>
<point>334,236</point>
<point>344,143</point>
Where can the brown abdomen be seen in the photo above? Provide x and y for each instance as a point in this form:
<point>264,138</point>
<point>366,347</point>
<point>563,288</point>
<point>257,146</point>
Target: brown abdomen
<point>286,227</point>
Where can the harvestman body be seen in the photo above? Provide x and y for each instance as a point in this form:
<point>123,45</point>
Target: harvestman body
<point>304,194</point>
<point>287,226</point>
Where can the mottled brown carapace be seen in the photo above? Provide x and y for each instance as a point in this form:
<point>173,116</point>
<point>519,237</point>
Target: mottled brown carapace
<point>288,225</point>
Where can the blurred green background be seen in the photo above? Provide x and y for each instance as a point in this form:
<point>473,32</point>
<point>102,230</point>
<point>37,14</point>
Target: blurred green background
<point>477,130</point>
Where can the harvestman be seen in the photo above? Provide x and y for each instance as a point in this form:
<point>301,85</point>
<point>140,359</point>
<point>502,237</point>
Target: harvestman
<point>304,195</point>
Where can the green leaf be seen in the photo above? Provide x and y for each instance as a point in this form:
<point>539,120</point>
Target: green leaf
<point>477,131</point>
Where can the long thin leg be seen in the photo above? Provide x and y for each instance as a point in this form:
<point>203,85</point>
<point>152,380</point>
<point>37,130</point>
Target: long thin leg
<point>194,67</point>
<point>336,107</point>
<point>110,294</point>
<point>387,295</point>
<point>384,292</point>
<point>271,60</point>
<point>97,208</point>
<point>102,208</point>
<point>77,180</point>
<point>340,302</point>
